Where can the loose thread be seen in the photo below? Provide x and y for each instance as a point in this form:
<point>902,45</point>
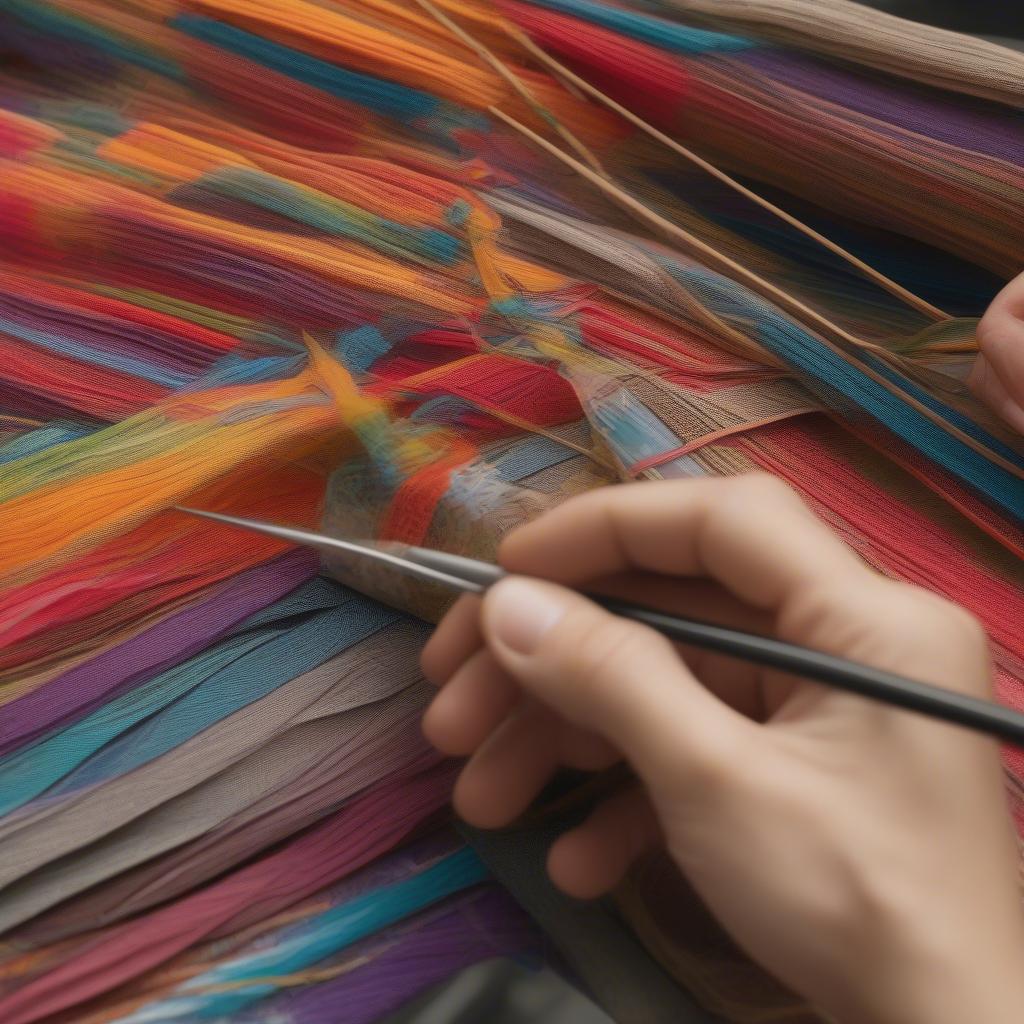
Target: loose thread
<point>569,77</point>
<point>485,54</point>
<point>765,288</point>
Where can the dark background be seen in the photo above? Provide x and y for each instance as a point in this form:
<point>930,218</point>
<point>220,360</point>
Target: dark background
<point>983,17</point>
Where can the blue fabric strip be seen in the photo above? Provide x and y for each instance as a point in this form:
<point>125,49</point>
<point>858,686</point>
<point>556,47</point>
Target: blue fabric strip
<point>829,371</point>
<point>133,367</point>
<point>377,94</point>
<point>667,35</point>
<point>44,18</point>
<point>41,439</point>
<point>236,369</point>
<point>360,348</point>
<point>968,426</point>
<point>332,216</point>
<point>316,940</point>
<point>305,629</point>
<point>531,456</point>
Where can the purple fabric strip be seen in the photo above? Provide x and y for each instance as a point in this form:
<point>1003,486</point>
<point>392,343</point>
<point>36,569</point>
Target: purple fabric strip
<point>966,123</point>
<point>148,346</point>
<point>481,926</point>
<point>84,687</point>
<point>22,401</point>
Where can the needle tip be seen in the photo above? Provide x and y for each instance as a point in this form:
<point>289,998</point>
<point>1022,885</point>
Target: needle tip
<point>205,514</point>
<point>191,511</point>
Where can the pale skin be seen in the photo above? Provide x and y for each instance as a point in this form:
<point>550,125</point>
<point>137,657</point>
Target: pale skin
<point>998,375</point>
<point>863,855</point>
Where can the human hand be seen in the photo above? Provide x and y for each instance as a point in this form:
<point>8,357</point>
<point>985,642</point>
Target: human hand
<point>863,855</point>
<point>997,377</point>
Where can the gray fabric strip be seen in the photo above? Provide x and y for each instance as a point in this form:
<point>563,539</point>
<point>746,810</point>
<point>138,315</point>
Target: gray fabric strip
<point>334,726</point>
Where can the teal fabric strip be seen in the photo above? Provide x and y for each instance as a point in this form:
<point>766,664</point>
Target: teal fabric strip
<point>44,18</point>
<point>359,349</point>
<point>41,439</point>
<point>376,94</point>
<point>76,113</point>
<point>667,35</point>
<point>311,625</point>
<point>333,216</point>
<point>826,370</point>
<point>315,940</point>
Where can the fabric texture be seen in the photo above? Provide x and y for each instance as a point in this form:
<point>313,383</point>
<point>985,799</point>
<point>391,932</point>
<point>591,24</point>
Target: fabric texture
<point>420,270</point>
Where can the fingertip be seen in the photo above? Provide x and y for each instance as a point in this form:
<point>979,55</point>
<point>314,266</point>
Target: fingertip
<point>593,858</point>
<point>471,706</point>
<point>431,658</point>
<point>513,545</point>
<point>518,613</point>
<point>508,770</point>
<point>456,638</point>
<point>474,802</point>
<point>564,545</point>
<point>441,732</point>
<point>574,869</point>
<point>1000,335</point>
<point>985,384</point>
<point>1010,301</point>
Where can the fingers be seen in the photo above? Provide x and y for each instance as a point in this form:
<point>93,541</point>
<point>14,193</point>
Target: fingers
<point>479,697</point>
<point>509,769</point>
<point>740,684</point>
<point>518,758</point>
<point>750,533</point>
<point>611,677</point>
<point>592,859</point>
<point>987,386</point>
<point>895,626</point>
<point>695,597</point>
<point>471,705</point>
<point>998,377</point>
<point>456,638</point>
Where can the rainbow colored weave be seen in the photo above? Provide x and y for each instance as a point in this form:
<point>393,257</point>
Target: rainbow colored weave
<point>316,261</point>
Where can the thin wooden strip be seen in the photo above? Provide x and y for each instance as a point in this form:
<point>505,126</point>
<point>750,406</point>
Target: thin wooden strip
<point>571,78</point>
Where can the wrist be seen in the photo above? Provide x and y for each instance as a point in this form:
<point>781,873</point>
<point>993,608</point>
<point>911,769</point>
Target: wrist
<point>938,979</point>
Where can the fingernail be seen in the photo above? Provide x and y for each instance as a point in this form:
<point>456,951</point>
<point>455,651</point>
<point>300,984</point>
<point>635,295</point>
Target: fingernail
<point>522,612</point>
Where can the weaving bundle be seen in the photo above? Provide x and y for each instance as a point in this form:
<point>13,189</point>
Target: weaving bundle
<point>420,269</point>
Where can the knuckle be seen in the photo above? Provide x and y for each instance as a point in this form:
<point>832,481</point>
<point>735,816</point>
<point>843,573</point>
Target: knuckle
<point>601,650</point>
<point>713,763</point>
<point>760,489</point>
<point>970,628</point>
<point>818,607</point>
<point>900,626</point>
<point>990,329</point>
<point>930,616</point>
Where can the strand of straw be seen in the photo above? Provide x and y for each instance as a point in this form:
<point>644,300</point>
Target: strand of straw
<point>666,227</point>
<point>513,80</point>
<point>581,84</point>
<point>765,288</point>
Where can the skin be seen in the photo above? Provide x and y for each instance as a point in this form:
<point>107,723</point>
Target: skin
<point>884,884</point>
<point>998,374</point>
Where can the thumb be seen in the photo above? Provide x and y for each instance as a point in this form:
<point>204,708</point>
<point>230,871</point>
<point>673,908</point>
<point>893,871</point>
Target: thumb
<point>613,677</point>
<point>986,385</point>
